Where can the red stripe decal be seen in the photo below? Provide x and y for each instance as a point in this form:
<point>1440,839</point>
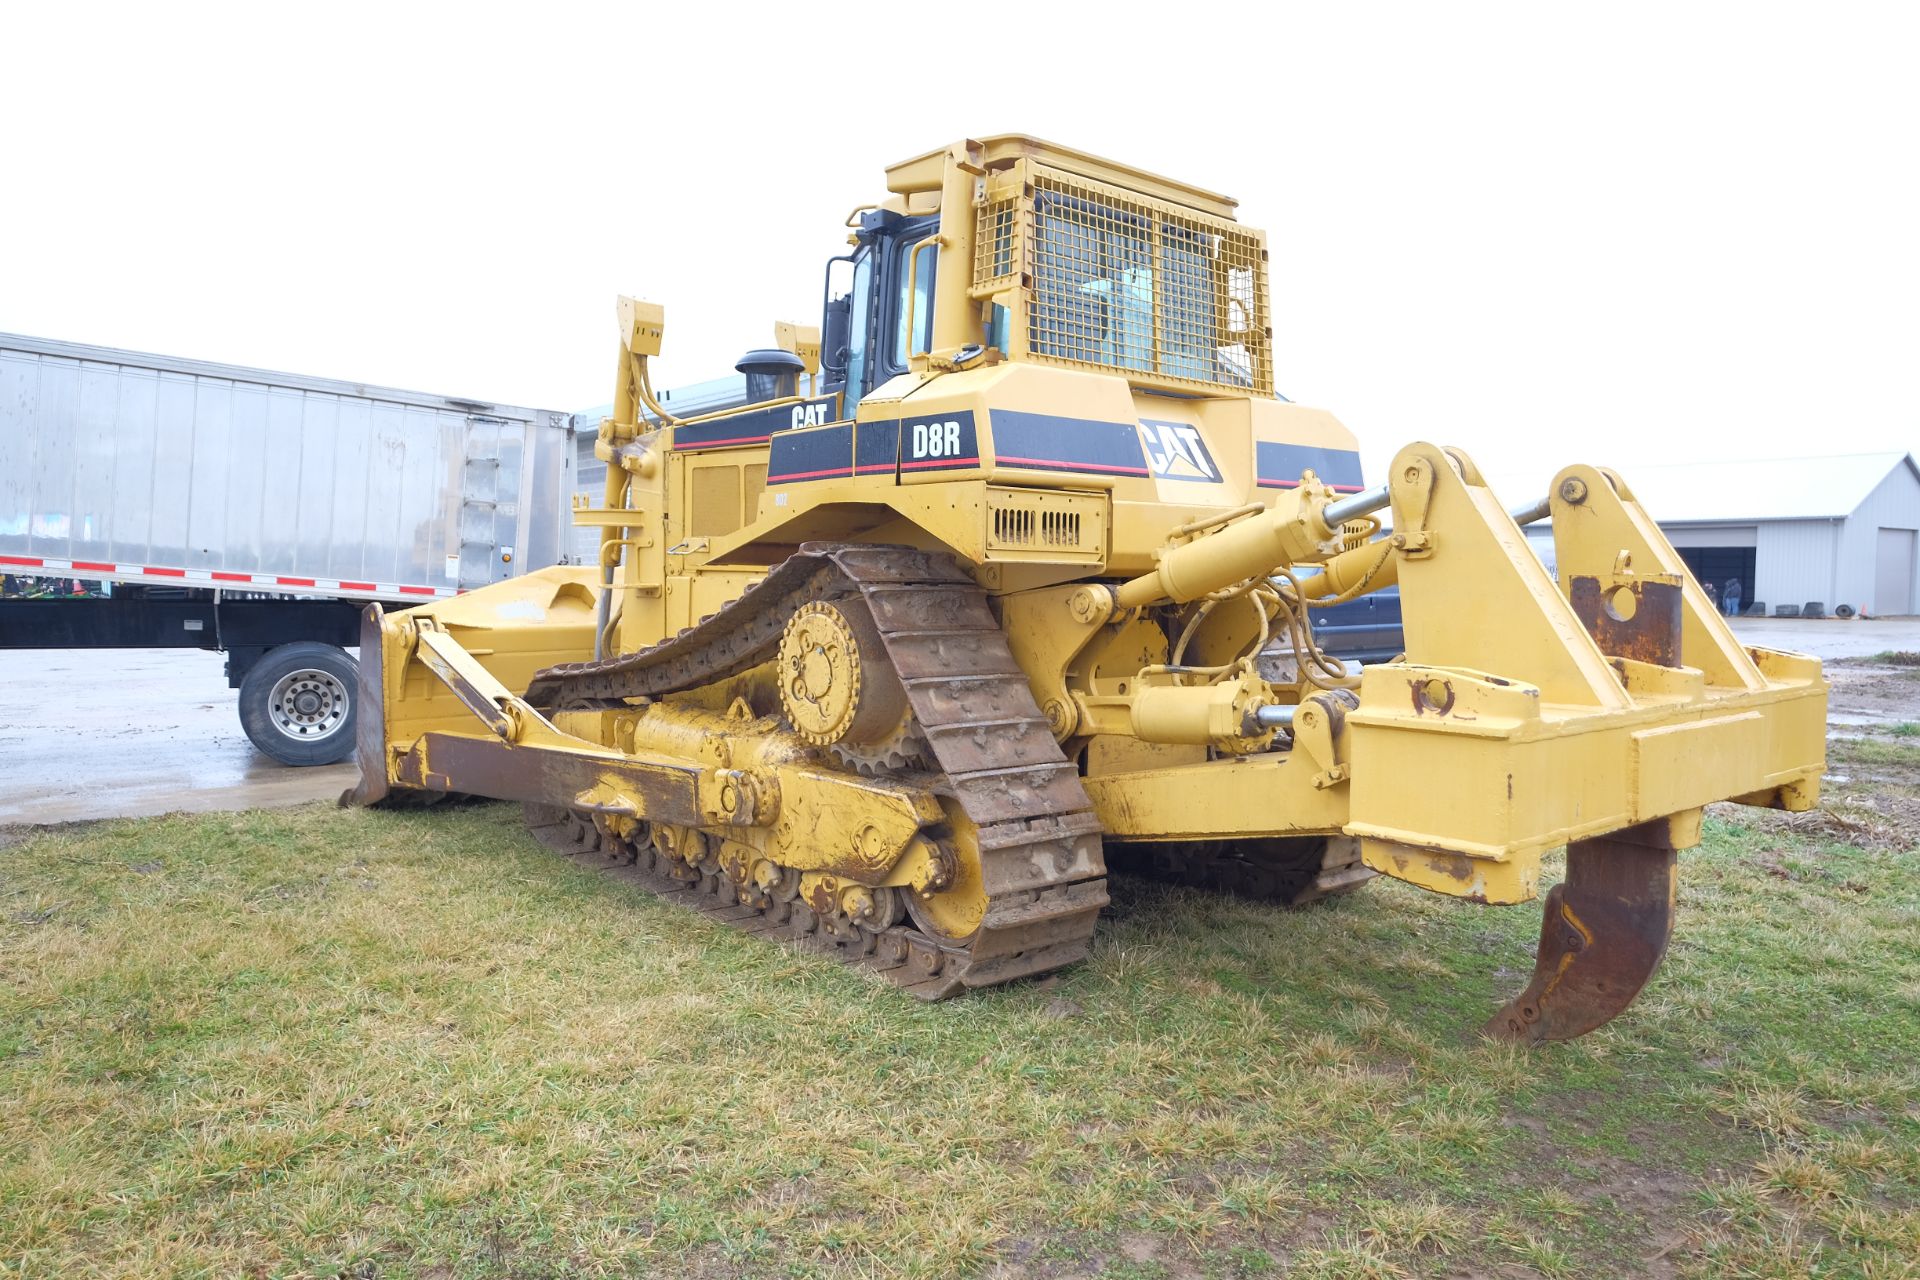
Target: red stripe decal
<point>951,463</point>
<point>26,560</point>
<point>806,475</point>
<point>417,591</point>
<point>294,582</point>
<point>356,586</point>
<point>94,565</point>
<point>162,572</point>
<point>221,575</point>
<point>1069,466</point>
<point>715,444</point>
<point>874,468</point>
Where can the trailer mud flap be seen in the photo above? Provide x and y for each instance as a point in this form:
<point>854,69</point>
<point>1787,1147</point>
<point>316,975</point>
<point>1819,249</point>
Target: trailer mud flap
<point>1604,932</point>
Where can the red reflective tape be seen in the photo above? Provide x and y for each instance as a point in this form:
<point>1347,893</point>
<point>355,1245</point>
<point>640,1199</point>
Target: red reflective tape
<point>1069,466</point>
<point>356,586</point>
<point>29,561</point>
<point>159,571</point>
<point>955,463</point>
<point>417,591</point>
<point>294,582</point>
<point>221,575</point>
<point>96,566</point>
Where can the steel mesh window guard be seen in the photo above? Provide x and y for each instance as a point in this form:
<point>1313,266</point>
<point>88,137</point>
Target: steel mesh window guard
<point>1118,281</point>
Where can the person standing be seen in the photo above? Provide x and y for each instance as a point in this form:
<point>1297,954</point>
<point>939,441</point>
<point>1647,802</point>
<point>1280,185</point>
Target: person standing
<point>1731,597</point>
<point>1713,593</point>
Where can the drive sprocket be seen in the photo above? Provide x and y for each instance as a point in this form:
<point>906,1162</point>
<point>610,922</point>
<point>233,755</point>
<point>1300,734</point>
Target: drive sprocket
<point>835,680</point>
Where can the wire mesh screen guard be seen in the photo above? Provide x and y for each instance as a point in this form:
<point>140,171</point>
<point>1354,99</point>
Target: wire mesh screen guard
<point>1119,281</point>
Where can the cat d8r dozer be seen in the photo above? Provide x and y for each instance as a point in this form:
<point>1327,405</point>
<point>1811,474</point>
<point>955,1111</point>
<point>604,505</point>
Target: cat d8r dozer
<point>1021,585</point>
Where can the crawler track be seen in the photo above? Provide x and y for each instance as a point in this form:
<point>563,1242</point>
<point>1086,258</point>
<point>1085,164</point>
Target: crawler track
<point>1038,839</point>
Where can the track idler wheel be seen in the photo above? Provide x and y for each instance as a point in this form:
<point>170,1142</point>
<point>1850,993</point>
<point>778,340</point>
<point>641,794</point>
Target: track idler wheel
<point>1604,931</point>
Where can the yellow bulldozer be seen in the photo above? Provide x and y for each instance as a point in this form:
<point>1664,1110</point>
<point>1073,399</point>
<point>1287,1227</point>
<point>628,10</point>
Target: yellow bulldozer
<point>1008,572</point>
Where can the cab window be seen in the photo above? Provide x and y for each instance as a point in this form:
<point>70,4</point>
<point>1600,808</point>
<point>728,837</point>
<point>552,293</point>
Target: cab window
<point>915,277</point>
<point>858,353</point>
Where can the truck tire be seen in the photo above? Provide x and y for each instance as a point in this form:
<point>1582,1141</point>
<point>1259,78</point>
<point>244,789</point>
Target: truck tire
<point>297,703</point>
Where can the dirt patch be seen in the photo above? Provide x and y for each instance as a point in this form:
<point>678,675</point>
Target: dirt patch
<point>1871,793</point>
<point>1772,863</point>
<point>1870,797</point>
<point>1872,692</point>
<point>1073,1255</point>
<point>1653,1193</point>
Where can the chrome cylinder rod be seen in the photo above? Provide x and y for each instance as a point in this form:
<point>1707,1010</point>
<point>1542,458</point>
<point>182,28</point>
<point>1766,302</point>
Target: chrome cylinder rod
<point>1529,514</point>
<point>1364,503</point>
<point>1276,716</point>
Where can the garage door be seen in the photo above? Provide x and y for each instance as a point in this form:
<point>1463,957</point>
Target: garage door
<point>1893,572</point>
<point>1714,567</point>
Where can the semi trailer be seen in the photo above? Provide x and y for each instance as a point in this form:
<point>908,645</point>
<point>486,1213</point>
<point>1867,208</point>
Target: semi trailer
<point>256,513</point>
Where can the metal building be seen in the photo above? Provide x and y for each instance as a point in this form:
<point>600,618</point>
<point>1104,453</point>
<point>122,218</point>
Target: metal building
<point>1834,531</point>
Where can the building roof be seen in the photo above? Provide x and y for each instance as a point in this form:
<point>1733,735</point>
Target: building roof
<point>1828,487</point>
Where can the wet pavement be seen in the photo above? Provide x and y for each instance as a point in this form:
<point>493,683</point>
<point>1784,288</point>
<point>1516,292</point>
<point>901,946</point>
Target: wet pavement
<point>1831,637</point>
<point>132,732</point>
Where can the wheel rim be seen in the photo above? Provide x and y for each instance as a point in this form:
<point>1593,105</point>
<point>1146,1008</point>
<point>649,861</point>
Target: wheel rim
<point>309,705</point>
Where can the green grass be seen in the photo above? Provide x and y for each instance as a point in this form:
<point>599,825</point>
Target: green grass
<point>319,1043</point>
<point>1895,658</point>
<point>1884,749</point>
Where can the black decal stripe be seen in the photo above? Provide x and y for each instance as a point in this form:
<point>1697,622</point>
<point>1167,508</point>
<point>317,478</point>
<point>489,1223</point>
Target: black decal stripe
<point>814,453</point>
<point>876,448</point>
<point>1046,442</point>
<point>1054,464</point>
<point>748,427</point>
<point>1280,466</point>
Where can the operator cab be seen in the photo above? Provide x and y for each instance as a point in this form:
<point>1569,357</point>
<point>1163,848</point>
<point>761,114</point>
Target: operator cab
<point>872,296</point>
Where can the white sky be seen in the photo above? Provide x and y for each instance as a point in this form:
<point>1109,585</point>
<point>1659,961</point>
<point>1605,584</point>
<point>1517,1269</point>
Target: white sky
<point>1639,231</point>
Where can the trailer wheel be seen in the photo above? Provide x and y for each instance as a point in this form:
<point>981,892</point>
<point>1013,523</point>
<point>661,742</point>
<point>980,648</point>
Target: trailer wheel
<point>297,703</point>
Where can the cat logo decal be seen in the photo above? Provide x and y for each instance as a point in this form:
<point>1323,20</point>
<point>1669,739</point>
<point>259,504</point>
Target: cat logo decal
<point>1176,451</point>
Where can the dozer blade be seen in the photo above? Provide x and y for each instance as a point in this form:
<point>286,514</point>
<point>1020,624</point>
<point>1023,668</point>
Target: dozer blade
<point>1604,932</point>
<point>370,723</point>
